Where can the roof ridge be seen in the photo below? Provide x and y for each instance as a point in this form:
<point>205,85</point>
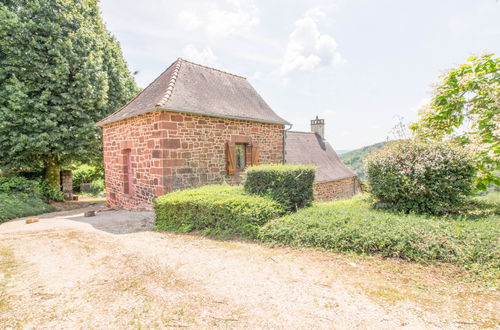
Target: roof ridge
<point>301,132</point>
<point>208,67</point>
<point>171,84</point>
<point>137,95</point>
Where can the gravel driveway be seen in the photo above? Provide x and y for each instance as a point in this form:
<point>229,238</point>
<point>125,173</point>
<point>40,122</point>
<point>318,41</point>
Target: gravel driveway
<point>111,271</point>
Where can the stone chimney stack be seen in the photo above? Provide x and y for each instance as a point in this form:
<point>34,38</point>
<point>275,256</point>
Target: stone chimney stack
<point>318,127</point>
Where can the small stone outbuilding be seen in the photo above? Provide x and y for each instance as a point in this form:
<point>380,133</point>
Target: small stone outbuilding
<point>192,126</point>
<point>333,180</point>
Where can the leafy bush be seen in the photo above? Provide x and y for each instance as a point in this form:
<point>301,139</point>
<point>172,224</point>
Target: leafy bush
<point>290,185</point>
<point>50,193</point>
<point>35,188</point>
<point>354,226</point>
<point>86,174</point>
<point>17,184</point>
<point>216,209</point>
<point>96,187</point>
<point>20,205</point>
<point>420,177</point>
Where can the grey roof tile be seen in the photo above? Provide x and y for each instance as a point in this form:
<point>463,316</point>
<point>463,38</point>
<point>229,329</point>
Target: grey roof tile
<point>310,149</point>
<point>193,88</point>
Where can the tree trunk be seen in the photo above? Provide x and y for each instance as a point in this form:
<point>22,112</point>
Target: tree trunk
<point>53,171</point>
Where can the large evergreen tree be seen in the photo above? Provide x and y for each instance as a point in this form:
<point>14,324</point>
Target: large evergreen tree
<point>60,72</point>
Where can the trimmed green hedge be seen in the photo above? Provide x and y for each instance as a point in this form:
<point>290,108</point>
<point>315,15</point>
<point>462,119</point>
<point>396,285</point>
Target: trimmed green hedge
<point>219,210</point>
<point>290,185</point>
<point>14,206</point>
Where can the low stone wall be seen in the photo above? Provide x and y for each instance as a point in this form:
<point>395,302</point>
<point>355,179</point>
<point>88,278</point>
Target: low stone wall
<point>338,189</point>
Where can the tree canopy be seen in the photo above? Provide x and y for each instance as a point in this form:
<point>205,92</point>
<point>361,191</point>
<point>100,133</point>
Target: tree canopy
<point>60,72</point>
<point>466,107</point>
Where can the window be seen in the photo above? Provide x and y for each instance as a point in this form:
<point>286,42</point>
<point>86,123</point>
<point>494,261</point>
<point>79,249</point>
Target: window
<point>240,151</point>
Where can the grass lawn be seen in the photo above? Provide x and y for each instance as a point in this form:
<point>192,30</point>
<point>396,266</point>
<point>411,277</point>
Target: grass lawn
<point>21,205</point>
<point>470,239</point>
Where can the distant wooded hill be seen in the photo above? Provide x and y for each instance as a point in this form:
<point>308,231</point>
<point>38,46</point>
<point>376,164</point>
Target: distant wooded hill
<point>355,158</point>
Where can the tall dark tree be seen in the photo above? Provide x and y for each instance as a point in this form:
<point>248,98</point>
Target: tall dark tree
<point>60,72</point>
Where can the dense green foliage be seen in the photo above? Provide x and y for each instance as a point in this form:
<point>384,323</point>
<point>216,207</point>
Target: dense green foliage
<point>36,188</point>
<point>355,159</point>
<point>469,239</point>
<point>20,197</point>
<point>14,206</point>
<point>466,107</point>
<point>420,177</point>
<point>86,174</point>
<point>15,185</point>
<point>50,193</point>
<point>94,188</point>
<point>60,72</point>
<point>290,185</point>
<point>215,210</point>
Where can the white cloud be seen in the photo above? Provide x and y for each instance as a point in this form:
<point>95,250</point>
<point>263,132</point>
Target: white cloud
<point>307,48</point>
<point>328,112</point>
<point>202,56</point>
<point>257,75</point>
<point>235,17</point>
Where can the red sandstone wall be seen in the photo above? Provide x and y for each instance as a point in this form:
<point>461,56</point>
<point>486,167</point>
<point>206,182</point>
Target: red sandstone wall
<point>173,151</point>
<point>339,189</point>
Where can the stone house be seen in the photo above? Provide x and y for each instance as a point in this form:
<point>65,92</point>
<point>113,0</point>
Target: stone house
<point>333,180</point>
<point>193,125</point>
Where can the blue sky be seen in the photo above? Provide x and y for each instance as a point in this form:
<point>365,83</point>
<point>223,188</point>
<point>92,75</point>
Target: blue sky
<point>359,64</point>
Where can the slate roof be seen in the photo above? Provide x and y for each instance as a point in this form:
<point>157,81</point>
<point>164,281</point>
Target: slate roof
<point>310,149</point>
<point>192,88</point>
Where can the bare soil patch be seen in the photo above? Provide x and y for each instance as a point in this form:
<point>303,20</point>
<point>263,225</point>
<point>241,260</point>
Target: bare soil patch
<point>82,202</point>
<point>111,271</point>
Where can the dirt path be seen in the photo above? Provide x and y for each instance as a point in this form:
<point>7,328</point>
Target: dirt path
<point>110,271</point>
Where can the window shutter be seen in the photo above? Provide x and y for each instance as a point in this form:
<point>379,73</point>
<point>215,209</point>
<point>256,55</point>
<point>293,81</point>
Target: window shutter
<point>231,164</point>
<point>255,155</point>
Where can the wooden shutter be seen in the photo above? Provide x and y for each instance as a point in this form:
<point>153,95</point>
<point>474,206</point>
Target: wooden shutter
<point>231,164</point>
<point>255,154</point>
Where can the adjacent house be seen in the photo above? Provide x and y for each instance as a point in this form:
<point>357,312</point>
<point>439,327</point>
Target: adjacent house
<point>333,178</point>
<point>194,125</point>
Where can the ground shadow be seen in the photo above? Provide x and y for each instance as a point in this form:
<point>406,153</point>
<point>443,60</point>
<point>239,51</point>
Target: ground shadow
<point>117,222</point>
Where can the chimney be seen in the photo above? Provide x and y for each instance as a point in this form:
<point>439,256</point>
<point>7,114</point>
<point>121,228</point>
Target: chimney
<point>318,127</point>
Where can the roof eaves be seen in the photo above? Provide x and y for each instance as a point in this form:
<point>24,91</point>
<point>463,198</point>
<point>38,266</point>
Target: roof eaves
<point>284,122</point>
<point>336,179</point>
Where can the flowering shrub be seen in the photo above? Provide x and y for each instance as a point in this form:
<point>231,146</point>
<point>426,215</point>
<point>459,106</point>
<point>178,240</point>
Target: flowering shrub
<point>421,177</point>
